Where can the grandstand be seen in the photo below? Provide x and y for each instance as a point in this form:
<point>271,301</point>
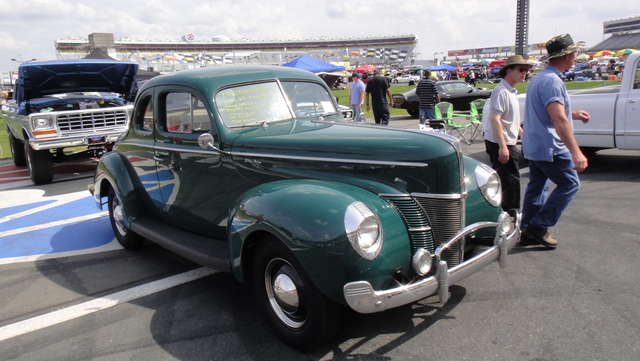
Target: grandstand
<point>187,52</point>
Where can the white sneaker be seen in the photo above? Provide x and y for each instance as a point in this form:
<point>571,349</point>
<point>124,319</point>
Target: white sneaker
<point>421,126</point>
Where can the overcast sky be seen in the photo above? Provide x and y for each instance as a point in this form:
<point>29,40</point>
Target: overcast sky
<point>29,27</point>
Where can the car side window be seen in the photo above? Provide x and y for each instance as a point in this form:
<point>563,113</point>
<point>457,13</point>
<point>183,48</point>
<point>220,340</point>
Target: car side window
<point>636,81</point>
<point>186,113</point>
<point>143,118</point>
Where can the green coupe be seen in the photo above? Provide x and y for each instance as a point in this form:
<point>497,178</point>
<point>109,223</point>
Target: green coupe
<point>253,170</point>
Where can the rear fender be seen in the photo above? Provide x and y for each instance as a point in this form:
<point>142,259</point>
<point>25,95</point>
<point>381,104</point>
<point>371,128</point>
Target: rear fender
<point>108,175</point>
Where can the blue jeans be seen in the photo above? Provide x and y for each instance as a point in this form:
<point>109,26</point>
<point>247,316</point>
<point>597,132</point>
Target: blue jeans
<point>426,113</point>
<point>356,112</point>
<point>543,213</point>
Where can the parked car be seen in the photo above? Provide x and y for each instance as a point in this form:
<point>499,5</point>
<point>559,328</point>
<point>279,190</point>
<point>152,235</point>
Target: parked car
<point>409,79</point>
<point>252,170</point>
<point>456,92</point>
<point>67,104</point>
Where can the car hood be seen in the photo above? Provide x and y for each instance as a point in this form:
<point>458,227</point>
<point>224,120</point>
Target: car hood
<point>37,79</point>
<point>407,160</point>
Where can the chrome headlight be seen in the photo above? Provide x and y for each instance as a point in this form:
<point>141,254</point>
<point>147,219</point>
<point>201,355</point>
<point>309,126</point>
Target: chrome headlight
<point>42,122</point>
<point>363,230</point>
<point>489,184</point>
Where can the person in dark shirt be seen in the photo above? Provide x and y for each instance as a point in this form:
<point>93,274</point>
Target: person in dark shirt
<point>378,89</point>
<point>427,93</point>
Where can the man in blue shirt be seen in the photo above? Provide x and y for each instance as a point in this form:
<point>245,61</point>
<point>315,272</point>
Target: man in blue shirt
<point>549,145</point>
<point>357,96</point>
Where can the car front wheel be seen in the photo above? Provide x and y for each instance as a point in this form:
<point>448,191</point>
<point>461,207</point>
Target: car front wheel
<point>126,237</point>
<point>39,163</point>
<point>298,312</point>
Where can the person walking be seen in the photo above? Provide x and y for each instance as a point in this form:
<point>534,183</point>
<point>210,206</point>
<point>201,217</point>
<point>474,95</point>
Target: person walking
<point>428,97</point>
<point>549,145</point>
<point>356,97</point>
<point>502,129</point>
<point>378,89</point>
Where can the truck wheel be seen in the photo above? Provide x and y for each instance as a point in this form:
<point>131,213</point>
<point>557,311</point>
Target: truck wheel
<point>17,151</point>
<point>414,113</point>
<point>297,311</point>
<point>126,237</point>
<point>39,163</point>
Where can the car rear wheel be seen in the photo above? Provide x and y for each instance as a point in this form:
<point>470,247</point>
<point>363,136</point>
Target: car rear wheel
<point>39,163</point>
<point>17,151</point>
<point>297,311</point>
<point>414,113</point>
<point>126,237</point>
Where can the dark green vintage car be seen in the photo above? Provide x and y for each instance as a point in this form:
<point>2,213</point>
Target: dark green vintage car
<point>254,171</point>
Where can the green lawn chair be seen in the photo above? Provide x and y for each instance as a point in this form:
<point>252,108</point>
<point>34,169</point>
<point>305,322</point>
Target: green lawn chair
<point>475,116</point>
<point>444,112</point>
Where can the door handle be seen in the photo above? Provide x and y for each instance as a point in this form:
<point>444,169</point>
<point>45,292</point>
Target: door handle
<point>634,100</point>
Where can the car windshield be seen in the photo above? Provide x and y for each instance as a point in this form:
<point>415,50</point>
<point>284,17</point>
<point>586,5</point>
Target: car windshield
<point>460,87</point>
<point>258,103</point>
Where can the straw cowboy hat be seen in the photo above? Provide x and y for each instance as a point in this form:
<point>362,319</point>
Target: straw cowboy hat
<point>513,60</point>
<point>562,45</point>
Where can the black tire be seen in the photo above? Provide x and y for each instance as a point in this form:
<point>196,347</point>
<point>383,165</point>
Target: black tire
<point>394,81</point>
<point>126,237</point>
<point>17,151</point>
<point>39,163</point>
<point>303,317</point>
<point>414,113</point>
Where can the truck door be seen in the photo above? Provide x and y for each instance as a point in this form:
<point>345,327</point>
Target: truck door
<point>628,110</point>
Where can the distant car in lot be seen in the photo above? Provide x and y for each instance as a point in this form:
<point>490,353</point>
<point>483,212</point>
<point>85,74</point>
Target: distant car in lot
<point>456,92</point>
<point>406,79</point>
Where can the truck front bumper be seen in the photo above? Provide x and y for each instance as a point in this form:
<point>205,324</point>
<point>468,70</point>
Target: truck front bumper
<point>76,140</point>
<point>361,296</point>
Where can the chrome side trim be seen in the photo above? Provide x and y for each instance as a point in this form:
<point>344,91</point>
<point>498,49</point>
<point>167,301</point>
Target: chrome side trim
<point>361,296</point>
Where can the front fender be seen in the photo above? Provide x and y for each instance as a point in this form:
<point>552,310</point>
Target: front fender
<point>308,217</point>
<point>114,171</point>
<point>477,208</point>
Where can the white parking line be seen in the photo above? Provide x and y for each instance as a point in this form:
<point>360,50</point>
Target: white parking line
<point>111,246</point>
<point>53,224</point>
<point>70,313</point>
<point>13,198</point>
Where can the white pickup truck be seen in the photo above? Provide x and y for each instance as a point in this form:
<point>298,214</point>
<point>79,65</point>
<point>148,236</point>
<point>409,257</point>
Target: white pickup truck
<point>614,111</point>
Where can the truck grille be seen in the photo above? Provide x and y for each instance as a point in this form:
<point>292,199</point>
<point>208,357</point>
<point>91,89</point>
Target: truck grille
<point>442,216</point>
<point>92,120</point>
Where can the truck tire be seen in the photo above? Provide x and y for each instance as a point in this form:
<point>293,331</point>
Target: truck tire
<point>39,163</point>
<point>126,237</point>
<point>17,151</point>
<point>297,311</point>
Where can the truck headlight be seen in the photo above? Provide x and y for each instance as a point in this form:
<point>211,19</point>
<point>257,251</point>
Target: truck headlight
<point>42,122</point>
<point>489,184</point>
<point>364,230</point>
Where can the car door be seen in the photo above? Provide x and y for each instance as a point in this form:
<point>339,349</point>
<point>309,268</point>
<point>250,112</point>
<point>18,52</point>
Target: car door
<point>190,178</point>
<point>627,130</point>
<point>138,148</point>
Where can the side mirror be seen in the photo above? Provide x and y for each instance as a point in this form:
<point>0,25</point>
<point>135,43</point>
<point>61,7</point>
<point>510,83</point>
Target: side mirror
<point>205,141</point>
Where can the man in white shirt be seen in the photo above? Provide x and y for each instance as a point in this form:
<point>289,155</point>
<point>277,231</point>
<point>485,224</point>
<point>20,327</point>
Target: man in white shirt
<point>502,128</point>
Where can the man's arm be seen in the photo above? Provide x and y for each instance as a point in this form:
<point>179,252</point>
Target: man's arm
<point>498,135</point>
<point>390,97</point>
<point>360,99</point>
<point>562,124</point>
<point>367,99</point>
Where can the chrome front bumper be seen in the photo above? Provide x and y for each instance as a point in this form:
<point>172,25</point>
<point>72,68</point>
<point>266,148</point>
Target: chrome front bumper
<point>68,141</point>
<point>362,298</point>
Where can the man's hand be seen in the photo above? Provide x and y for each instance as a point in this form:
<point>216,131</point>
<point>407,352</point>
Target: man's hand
<point>503,155</point>
<point>581,115</point>
<point>580,162</point>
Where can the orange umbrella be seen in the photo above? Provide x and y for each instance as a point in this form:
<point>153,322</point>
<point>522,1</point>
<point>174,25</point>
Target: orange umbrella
<point>602,53</point>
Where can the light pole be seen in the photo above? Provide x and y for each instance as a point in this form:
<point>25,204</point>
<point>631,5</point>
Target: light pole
<point>435,57</point>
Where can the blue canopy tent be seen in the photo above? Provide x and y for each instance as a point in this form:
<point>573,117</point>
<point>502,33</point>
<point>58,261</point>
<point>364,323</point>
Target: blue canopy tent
<point>313,65</point>
<point>444,67</point>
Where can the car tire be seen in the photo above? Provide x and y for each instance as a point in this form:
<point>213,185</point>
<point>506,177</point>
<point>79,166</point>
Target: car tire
<point>414,113</point>
<point>395,81</point>
<point>17,151</point>
<point>126,237</point>
<point>39,163</point>
<point>303,317</point>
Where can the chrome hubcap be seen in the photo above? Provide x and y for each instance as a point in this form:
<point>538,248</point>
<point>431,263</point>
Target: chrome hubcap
<point>118,219</point>
<point>284,289</point>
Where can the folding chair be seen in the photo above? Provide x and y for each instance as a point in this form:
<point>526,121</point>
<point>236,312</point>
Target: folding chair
<point>444,112</point>
<point>475,116</point>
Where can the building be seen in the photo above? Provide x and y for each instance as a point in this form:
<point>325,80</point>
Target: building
<point>189,52</point>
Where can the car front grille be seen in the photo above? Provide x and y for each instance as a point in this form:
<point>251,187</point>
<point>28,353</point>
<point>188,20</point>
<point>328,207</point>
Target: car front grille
<point>83,121</point>
<point>431,222</point>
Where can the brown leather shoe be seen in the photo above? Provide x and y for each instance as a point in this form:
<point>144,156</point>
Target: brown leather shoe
<point>541,236</point>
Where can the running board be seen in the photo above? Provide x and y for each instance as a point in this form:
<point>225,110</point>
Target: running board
<point>206,251</point>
